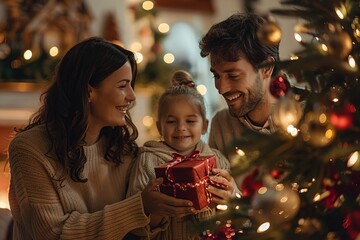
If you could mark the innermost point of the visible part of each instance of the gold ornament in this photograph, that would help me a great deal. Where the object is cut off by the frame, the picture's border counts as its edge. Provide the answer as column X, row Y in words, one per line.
column 317, row 129
column 269, row 33
column 356, row 27
column 287, row 112
column 339, row 43
column 275, row 205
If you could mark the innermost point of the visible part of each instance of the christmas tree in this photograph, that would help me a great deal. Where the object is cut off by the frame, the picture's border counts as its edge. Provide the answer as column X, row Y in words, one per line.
column 304, row 181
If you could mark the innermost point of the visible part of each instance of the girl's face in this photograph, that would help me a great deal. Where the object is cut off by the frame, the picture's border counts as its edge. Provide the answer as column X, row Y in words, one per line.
column 181, row 124
column 110, row 101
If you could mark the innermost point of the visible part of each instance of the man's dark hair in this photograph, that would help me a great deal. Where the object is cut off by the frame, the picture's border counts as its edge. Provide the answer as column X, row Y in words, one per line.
column 236, row 37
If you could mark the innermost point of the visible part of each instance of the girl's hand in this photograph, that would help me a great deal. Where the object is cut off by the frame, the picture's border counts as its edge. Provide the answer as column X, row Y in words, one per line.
column 161, row 204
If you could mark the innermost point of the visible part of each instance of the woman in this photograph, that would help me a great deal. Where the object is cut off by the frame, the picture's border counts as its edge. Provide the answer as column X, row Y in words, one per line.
column 70, row 165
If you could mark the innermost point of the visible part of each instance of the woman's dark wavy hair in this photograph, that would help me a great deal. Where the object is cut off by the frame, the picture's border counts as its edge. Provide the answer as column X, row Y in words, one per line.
column 64, row 109
column 236, row 37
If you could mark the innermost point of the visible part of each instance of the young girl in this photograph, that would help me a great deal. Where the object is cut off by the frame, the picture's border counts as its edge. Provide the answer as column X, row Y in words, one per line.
column 181, row 122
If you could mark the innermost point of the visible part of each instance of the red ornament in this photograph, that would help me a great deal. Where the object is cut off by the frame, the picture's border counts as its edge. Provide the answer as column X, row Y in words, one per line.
column 250, row 184
column 343, row 119
column 279, row 85
column 276, row 173
column 352, row 224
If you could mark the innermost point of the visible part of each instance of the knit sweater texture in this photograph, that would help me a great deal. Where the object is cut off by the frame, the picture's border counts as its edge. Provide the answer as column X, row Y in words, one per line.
column 155, row 153
column 226, row 129
column 46, row 208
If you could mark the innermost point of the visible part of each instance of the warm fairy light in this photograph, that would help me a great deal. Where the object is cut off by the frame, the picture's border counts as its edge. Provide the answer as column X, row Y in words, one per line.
column 201, row 89
column 148, row 5
column 240, row 152
column 329, row 134
column 27, row 55
column 294, row 57
column 279, row 187
column 139, row 57
column 322, row 118
column 324, row 47
column 222, row 207
column 148, row 121
column 163, row 27
column 262, row 190
column 335, row 99
column 54, row 51
column 136, row 46
column 238, row 195
column 237, row 207
column 298, row 37
column 353, row 159
column 292, row 130
column 316, row 197
column 351, row 61
column 263, row 227
column 284, row 199
column 319, row 197
column 304, row 190
column 169, row 58
column 341, row 11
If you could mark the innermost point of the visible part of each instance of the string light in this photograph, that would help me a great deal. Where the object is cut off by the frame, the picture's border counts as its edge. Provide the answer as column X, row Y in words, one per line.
column 148, row 121
column 298, row 37
column 263, row 227
column 164, row 27
column 353, row 159
column 27, row 55
column 169, row 58
column 148, row 5
column 351, row 61
column 201, row 89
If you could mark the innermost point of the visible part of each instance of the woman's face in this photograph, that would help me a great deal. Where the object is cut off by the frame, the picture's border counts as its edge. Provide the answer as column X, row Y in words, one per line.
column 110, row 101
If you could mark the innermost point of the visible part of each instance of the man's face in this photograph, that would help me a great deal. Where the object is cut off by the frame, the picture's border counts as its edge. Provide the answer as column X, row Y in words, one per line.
column 239, row 83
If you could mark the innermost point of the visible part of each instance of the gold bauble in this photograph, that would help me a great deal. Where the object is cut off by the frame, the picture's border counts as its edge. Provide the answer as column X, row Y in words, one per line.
column 287, row 112
column 317, row 129
column 275, row 205
column 339, row 43
column 269, row 33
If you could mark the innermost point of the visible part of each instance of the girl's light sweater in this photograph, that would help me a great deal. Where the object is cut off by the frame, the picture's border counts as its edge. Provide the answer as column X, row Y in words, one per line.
column 45, row 208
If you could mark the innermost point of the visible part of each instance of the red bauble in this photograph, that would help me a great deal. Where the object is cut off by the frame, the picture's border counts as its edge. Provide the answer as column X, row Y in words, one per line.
column 277, row 174
column 279, row 86
column 343, row 119
column 352, row 224
column 250, row 184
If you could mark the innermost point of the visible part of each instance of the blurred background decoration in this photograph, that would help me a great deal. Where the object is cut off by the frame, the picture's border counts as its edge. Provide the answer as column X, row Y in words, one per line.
column 35, row 34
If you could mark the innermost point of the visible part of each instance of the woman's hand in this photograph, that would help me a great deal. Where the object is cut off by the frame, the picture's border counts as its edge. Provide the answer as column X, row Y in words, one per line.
column 224, row 187
column 161, row 204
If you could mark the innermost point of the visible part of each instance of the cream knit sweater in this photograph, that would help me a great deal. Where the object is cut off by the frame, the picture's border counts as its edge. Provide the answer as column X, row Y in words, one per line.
column 154, row 153
column 226, row 129
column 44, row 208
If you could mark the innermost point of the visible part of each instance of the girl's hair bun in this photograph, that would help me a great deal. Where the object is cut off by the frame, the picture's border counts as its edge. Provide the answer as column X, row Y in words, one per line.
column 182, row 78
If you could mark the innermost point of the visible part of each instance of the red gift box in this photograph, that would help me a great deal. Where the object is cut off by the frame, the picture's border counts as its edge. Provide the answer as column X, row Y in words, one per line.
column 187, row 177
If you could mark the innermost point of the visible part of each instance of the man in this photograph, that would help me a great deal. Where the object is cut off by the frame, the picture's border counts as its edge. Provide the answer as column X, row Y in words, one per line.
column 235, row 55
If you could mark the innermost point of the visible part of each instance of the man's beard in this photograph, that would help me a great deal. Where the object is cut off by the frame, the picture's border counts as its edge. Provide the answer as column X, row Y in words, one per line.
column 251, row 100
